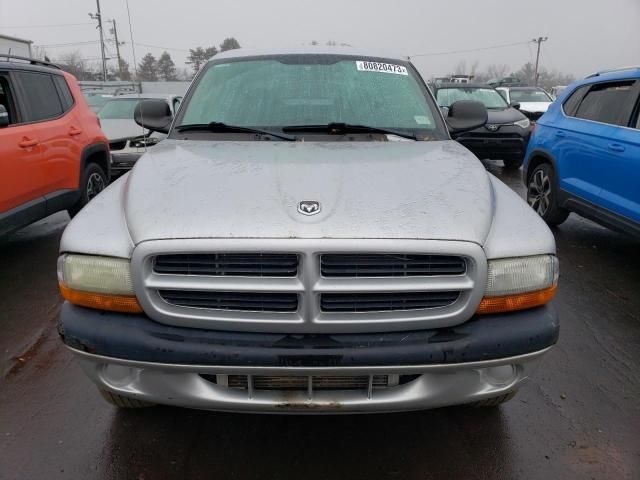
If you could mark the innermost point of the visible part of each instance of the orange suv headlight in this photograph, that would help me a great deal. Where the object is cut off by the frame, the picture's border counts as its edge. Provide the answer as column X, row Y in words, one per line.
column 103, row 283
column 519, row 283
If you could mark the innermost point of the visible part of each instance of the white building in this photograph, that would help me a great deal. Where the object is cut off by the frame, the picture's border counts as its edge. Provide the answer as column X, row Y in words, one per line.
column 15, row 46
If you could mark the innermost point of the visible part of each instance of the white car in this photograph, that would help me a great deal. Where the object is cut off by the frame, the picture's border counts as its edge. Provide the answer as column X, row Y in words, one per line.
column 127, row 140
column 533, row 101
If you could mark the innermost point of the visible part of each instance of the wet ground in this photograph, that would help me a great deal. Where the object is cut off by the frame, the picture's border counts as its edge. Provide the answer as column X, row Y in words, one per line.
column 578, row 418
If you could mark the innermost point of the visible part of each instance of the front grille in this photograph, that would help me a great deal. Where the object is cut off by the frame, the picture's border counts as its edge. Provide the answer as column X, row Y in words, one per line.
column 318, row 382
column 390, row 265
column 309, row 286
column 499, row 135
column 385, row 302
column 119, row 145
column 228, row 264
column 232, row 301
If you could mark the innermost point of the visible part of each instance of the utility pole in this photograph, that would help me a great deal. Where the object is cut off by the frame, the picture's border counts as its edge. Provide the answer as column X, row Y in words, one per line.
column 98, row 17
column 114, row 31
column 539, row 41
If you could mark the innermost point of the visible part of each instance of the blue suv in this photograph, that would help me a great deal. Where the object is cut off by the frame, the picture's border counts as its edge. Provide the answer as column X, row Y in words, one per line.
column 584, row 155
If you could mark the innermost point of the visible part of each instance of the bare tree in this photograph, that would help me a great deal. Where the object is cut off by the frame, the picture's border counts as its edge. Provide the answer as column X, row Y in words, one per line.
column 497, row 70
column 39, row 53
column 73, row 63
column 460, row 68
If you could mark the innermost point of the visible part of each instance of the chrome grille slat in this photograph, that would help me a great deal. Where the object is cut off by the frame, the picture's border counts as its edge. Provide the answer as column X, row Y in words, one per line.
column 390, row 265
column 378, row 302
column 228, row 264
column 235, row 301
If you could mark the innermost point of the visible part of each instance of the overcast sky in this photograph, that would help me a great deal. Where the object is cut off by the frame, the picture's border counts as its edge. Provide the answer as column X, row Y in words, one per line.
column 584, row 35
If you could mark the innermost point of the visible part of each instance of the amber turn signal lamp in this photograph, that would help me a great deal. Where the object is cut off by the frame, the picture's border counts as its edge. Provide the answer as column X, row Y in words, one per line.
column 101, row 301
column 520, row 301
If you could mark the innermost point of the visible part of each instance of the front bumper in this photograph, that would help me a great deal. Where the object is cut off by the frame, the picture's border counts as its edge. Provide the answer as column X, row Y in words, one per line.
column 122, row 161
column 507, row 143
column 133, row 356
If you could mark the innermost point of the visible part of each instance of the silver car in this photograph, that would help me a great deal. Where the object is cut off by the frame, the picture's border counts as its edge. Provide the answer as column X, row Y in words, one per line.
column 308, row 239
column 127, row 140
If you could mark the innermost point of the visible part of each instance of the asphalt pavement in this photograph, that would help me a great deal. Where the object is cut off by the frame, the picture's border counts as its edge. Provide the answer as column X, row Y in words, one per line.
column 579, row 417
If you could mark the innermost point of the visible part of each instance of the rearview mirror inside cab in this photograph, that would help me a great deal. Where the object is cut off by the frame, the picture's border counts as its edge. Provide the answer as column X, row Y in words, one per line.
column 154, row 115
column 466, row 115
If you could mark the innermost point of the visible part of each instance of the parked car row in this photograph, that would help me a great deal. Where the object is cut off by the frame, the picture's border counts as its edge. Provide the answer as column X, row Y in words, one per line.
column 589, row 140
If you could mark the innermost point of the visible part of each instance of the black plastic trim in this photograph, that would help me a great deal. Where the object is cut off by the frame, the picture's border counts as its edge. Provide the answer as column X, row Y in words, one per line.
column 138, row 338
column 23, row 215
column 598, row 214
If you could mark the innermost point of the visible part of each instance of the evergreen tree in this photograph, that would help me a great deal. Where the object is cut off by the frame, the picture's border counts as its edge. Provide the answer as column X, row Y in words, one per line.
column 166, row 68
column 198, row 56
column 229, row 44
column 148, row 69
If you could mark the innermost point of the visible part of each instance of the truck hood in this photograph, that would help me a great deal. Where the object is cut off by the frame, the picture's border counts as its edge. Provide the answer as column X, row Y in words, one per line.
column 396, row 189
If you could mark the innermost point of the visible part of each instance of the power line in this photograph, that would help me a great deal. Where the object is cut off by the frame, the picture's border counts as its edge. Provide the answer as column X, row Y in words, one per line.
column 47, row 26
column 451, row 52
column 70, row 44
column 163, row 48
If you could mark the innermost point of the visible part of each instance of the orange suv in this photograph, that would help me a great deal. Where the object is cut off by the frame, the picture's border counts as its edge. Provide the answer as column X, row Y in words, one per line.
column 53, row 154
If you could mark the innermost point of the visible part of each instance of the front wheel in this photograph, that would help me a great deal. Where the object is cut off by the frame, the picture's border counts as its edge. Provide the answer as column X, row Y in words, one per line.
column 93, row 181
column 542, row 195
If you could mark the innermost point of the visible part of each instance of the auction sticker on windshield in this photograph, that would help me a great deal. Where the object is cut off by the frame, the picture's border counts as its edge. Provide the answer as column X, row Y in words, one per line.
column 381, row 67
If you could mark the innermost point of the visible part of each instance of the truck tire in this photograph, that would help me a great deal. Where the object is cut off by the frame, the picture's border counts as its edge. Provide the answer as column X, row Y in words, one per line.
column 93, row 181
column 123, row 402
column 494, row 401
column 542, row 195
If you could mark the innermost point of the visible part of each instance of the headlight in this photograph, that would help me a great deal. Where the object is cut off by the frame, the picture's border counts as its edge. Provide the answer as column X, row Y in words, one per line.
column 103, row 283
column 519, row 283
column 524, row 123
column 143, row 142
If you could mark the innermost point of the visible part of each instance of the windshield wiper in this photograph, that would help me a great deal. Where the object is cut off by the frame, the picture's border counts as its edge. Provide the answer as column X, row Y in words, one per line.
column 336, row 128
column 220, row 127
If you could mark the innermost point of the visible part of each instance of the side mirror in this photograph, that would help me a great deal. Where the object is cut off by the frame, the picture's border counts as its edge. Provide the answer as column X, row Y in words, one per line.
column 515, row 105
column 154, row 115
column 4, row 117
column 466, row 115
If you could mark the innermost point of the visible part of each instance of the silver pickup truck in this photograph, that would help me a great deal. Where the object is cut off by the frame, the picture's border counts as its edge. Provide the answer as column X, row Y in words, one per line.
column 308, row 238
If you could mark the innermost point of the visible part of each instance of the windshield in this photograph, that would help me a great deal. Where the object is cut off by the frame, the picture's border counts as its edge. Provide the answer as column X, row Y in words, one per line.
column 119, row 109
column 488, row 96
column 97, row 100
column 529, row 96
column 278, row 91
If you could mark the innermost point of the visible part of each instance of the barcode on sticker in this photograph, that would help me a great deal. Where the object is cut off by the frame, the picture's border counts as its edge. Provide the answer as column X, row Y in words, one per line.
column 381, row 67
